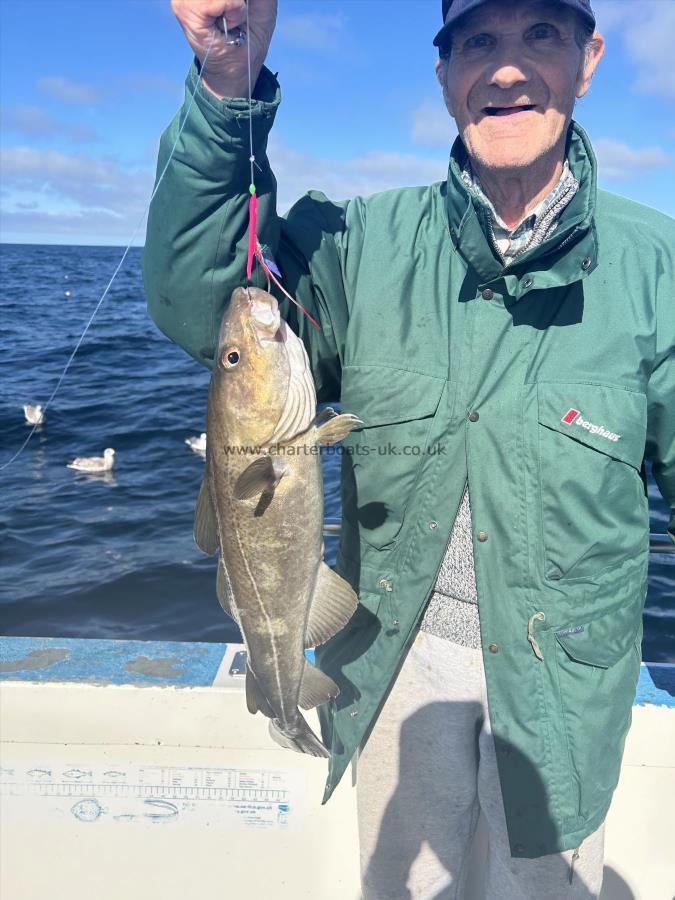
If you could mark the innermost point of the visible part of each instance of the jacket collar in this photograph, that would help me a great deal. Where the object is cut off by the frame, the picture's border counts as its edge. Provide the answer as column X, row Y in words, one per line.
column 568, row 255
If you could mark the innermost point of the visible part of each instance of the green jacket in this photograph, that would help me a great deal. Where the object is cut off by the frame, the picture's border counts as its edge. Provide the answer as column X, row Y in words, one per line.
column 567, row 358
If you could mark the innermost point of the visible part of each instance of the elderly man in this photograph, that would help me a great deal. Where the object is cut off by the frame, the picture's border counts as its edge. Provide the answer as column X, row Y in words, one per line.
column 506, row 337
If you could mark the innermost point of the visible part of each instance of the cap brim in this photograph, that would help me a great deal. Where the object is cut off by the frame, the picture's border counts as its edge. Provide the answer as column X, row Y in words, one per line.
column 443, row 36
column 442, row 39
column 451, row 19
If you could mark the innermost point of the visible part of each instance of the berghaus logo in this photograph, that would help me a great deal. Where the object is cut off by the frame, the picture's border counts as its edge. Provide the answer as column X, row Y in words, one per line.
column 570, row 416
column 573, row 417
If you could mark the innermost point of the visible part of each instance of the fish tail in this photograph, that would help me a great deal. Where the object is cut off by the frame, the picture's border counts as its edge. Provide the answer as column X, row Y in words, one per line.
column 297, row 736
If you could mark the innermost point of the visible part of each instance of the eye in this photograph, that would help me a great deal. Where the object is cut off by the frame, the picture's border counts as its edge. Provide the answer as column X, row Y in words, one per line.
column 542, row 31
column 230, row 358
column 478, row 42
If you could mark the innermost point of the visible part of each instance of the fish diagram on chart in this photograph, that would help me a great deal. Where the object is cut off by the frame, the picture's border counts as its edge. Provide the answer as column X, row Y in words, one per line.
column 155, row 795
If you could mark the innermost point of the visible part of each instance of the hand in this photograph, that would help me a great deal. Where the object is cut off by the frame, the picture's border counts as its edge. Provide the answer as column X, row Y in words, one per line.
column 226, row 70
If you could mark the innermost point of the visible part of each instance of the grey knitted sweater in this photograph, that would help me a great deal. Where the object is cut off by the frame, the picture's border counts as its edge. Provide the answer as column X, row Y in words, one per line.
column 452, row 610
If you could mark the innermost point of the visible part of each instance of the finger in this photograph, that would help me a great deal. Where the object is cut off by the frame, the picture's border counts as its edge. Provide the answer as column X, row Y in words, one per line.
column 234, row 14
column 203, row 14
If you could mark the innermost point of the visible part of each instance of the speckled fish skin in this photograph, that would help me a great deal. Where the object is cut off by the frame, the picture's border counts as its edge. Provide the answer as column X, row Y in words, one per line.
column 261, row 407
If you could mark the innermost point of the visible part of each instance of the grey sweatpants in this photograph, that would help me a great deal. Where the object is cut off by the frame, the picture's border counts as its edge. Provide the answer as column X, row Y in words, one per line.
column 427, row 770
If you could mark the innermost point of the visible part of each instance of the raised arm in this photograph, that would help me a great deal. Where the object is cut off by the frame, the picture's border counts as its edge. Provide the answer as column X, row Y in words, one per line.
column 196, row 242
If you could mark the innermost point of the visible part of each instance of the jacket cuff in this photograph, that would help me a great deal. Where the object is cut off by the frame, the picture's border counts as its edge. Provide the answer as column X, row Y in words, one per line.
column 229, row 116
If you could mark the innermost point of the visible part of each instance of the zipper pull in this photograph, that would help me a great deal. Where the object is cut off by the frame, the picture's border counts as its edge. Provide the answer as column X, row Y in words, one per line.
column 537, row 617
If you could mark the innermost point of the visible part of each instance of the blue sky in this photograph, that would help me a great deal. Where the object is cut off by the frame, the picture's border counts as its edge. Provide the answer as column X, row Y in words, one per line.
column 86, row 88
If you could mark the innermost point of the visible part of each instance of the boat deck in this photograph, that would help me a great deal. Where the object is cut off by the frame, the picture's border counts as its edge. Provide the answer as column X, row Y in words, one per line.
column 132, row 769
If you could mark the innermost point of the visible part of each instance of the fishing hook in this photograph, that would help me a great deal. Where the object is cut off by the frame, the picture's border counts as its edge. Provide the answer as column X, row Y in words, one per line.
column 239, row 35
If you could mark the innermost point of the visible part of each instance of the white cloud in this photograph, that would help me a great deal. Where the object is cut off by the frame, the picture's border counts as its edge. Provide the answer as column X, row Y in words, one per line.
column 619, row 162
column 298, row 172
column 318, row 31
column 46, row 191
column 40, row 226
column 432, row 125
column 34, row 121
column 69, row 91
column 648, row 32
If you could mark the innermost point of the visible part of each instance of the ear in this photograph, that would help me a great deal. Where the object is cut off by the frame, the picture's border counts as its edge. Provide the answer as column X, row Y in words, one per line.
column 592, row 55
column 441, row 67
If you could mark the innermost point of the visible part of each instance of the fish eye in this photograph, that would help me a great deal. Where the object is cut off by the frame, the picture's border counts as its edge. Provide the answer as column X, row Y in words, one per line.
column 230, row 358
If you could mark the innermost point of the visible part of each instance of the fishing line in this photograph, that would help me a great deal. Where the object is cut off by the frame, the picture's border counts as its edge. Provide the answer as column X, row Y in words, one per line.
column 119, row 265
column 255, row 251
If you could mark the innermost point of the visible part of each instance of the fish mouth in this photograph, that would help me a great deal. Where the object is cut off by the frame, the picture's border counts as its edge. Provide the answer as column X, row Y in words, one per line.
column 266, row 315
column 264, row 312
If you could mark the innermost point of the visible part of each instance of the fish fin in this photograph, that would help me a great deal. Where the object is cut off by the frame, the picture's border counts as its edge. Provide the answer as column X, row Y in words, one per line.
column 255, row 699
column 333, row 605
column 206, row 525
column 264, row 474
column 224, row 591
column 300, row 738
column 326, row 414
column 316, row 687
column 336, row 428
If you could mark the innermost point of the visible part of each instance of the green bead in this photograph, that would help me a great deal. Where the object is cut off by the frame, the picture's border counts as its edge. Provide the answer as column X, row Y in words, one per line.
column 251, row 189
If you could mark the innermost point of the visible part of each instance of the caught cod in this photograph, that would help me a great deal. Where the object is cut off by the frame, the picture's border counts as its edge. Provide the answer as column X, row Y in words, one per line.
column 261, row 508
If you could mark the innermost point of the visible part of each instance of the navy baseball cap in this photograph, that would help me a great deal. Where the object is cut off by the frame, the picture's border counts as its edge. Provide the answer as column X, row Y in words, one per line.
column 454, row 9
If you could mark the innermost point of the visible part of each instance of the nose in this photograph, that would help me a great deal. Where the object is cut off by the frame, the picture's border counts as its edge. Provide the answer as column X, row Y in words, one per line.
column 508, row 76
column 509, row 69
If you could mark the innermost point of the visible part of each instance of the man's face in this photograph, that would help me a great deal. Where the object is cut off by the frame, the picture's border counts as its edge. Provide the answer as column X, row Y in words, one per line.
column 514, row 72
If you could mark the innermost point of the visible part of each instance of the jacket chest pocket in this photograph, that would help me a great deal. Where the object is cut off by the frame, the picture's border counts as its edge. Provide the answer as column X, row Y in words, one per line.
column 382, row 461
column 593, row 505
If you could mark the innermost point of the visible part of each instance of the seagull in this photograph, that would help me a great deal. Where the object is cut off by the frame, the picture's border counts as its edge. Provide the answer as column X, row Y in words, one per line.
column 33, row 414
column 94, row 463
column 198, row 444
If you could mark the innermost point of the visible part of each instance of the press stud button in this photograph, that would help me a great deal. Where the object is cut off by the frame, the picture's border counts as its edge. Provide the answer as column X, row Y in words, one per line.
column 473, row 416
column 493, row 648
column 487, row 294
column 527, row 283
column 433, row 525
column 586, row 263
column 482, row 536
column 385, row 584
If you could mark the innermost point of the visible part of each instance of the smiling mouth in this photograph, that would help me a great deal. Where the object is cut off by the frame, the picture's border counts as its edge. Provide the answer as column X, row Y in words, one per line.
column 507, row 110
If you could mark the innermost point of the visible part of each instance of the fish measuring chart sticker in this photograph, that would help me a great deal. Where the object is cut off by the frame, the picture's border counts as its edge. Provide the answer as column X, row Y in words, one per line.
column 151, row 795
